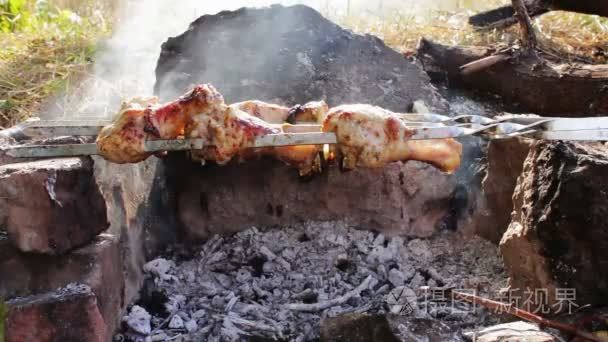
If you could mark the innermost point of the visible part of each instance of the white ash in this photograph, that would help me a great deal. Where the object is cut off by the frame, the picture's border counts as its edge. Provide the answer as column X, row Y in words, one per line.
column 280, row 283
column 138, row 320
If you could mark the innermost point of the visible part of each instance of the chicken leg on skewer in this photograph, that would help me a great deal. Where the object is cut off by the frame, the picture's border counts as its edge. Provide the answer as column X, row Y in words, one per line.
column 372, row 137
column 141, row 119
column 367, row 136
column 201, row 113
column 272, row 113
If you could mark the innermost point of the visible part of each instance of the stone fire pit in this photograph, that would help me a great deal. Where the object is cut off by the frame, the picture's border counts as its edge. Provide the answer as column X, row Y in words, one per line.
column 169, row 249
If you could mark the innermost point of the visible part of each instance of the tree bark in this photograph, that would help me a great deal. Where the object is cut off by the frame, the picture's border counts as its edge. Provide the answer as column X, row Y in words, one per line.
column 504, row 16
column 547, row 87
column 528, row 37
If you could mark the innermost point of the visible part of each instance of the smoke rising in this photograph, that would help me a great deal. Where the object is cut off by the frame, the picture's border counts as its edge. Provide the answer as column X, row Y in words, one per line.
column 125, row 64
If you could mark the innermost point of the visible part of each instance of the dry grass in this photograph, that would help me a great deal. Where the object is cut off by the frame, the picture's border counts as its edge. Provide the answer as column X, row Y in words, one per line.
column 569, row 33
column 43, row 61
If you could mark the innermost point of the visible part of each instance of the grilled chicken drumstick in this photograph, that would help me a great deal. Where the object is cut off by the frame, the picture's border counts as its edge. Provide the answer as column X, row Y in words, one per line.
column 372, row 137
column 201, row 113
column 367, row 136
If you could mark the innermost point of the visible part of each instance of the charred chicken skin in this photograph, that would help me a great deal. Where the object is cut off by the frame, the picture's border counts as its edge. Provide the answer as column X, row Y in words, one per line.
column 272, row 113
column 367, row 136
column 372, row 137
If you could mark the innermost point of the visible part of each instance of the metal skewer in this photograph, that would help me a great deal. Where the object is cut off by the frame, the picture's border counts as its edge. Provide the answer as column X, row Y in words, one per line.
column 424, row 126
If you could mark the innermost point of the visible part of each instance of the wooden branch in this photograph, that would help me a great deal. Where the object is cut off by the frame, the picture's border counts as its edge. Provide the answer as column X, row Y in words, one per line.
column 320, row 306
column 526, row 315
column 528, row 37
column 483, row 63
column 548, row 88
column 504, row 16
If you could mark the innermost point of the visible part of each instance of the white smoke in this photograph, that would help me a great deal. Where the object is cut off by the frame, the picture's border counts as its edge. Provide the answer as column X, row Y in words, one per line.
column 125, row 65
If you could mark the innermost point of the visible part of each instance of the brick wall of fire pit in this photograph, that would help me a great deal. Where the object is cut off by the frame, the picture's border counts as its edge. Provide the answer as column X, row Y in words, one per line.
column 78, row 232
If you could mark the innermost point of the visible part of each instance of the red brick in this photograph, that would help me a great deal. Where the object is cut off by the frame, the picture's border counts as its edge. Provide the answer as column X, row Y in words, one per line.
column 67, row 314
column 51, row 206
column 97, row 265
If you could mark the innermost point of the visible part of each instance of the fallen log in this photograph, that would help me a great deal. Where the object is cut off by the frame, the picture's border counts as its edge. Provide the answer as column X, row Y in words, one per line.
column 504, row 16
column 543, row 86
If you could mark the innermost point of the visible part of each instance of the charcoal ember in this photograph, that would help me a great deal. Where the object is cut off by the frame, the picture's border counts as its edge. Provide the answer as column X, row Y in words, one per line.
column 67, row 314
column 94, row 265
column 396, row 277
column 558, row 236
column 259, row 304
column 138, row 320
column 160, row 267
column 176, row 322
column 357, row 328
column 53, row 205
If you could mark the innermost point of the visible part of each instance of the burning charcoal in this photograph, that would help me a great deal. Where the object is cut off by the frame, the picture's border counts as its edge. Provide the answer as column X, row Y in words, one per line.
column 259, row 303
column 267, row 253
column 191, row 325
column 175, row 302
column 208, row 288
column 176, row 322
column 199, row 314
column 379, row 240
column 190, row 277
column 218, row 302
column 382, row 290
column 159, row 267
column 159, row 337
column 138, row 320
column 396, row 277
column 420, row 249
column 223, row 279
column 269, row 267
column 417, row 281
column 288, row 254
column 232, row 300
column 243, row 275
column 284, row 264
column 408, row 270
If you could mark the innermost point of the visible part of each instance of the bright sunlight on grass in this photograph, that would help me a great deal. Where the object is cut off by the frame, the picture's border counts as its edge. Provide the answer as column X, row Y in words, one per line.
column 45, row 47
column 48, row 46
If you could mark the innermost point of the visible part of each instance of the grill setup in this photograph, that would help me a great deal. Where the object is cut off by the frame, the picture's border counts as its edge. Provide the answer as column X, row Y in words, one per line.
column 427, row 126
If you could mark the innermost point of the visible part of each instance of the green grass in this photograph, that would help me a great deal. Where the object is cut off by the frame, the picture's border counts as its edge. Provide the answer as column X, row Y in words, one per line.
column 46, row 47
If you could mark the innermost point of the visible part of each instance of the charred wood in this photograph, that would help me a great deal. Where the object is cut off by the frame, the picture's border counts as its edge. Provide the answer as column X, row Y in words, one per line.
column 505, row 16
column 547, row 86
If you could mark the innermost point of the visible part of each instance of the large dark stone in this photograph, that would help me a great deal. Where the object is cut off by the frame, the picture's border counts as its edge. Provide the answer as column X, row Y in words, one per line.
column 289, row 55
column 492, row 214
column 558, row 236
column 412, row 199
column 293, row 55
